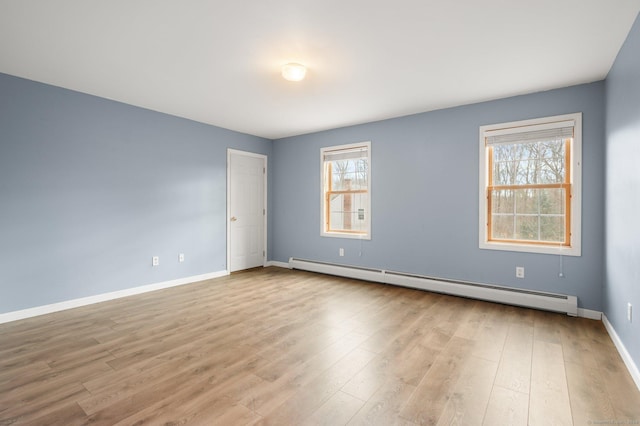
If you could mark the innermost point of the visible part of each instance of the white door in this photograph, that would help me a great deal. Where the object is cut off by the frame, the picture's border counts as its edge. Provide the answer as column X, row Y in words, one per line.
column 246, row 210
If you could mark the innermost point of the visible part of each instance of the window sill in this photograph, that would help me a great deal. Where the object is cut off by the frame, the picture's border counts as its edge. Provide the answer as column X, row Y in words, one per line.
column 526, row 248
column 346, row 235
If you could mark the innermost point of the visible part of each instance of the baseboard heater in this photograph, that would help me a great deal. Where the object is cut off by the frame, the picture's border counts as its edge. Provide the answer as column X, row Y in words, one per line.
column 492, row 293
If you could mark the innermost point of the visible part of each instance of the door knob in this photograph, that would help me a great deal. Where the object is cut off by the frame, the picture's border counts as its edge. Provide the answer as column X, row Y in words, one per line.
column 233, row 219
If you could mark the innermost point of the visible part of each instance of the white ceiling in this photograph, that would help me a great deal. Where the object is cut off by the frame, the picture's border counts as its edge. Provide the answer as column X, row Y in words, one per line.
column 218, row 62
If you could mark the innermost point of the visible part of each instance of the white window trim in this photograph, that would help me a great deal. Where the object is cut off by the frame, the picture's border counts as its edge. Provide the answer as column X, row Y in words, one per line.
column 576, row 184
column 323, row 217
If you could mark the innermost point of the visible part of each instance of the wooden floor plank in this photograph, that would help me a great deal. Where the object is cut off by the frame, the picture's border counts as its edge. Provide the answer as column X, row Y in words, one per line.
column 549, row 394
column 32, row 403
column 323, row 387
column 514, row 371
column 66, row 415
column 383, row 407
column 468, row 403
column 507, row 407
column 587, row 391
column 338, row 410
column 427, row 403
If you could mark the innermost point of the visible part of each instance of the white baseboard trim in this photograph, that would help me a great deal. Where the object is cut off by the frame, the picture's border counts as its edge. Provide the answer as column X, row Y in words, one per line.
column 622, row 350
column 589, row 314
column 84, row 301
column 278, row 264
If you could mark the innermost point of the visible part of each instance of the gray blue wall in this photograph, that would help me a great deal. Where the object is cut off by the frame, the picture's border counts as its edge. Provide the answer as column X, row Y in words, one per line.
column 425, row 196
column 622, row 280
column 91, row 189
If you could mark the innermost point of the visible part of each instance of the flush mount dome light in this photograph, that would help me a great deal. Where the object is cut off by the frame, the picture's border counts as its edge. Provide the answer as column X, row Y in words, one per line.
column 293, row 71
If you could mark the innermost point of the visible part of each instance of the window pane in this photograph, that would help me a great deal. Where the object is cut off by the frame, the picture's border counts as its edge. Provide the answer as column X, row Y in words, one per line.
column 502, row 201
column 539, row 201
column 502, row 227
column 552, row 228
column 527, row 228
column 347, row 212
column 527, row 201
column 529, row 163
column 552, row 201
column 349, row 175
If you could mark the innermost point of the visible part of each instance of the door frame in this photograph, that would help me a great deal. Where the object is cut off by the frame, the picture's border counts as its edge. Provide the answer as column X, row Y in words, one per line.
column 264, row 158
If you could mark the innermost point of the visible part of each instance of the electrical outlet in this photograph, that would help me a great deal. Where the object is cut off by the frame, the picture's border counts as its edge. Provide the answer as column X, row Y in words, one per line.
column 519, row 271
column 629, row 312
column 181, row 257
column 155, row 261
column 341, row 252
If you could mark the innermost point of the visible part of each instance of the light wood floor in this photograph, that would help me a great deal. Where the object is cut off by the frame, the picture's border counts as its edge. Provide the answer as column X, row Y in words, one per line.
column 273, row 346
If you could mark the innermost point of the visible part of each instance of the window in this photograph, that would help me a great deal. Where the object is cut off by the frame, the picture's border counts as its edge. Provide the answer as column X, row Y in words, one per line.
column 346, row 186
column 530, row 185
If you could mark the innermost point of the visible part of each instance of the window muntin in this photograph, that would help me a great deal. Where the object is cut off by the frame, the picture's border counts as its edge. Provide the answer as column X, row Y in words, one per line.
column 345, row 188
column 530, row 185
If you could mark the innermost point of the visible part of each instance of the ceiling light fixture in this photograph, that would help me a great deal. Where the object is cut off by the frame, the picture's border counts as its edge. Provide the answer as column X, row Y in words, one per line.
column 293, row 71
